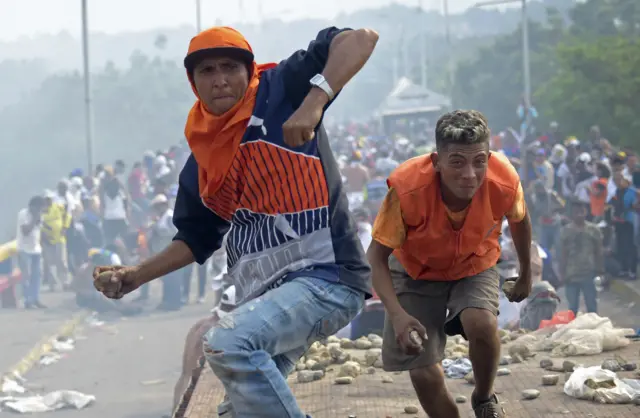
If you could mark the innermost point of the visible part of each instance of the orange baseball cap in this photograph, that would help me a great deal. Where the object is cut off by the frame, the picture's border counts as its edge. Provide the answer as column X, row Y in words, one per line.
column 215, row 42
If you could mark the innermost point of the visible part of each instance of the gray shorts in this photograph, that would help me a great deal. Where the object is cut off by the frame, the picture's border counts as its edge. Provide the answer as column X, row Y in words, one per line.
column 437, row 305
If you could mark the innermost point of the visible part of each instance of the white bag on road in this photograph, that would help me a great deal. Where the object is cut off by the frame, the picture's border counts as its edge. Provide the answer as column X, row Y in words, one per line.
column 601, row 386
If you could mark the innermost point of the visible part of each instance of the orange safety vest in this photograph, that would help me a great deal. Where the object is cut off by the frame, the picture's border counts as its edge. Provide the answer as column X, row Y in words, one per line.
column 433, row 250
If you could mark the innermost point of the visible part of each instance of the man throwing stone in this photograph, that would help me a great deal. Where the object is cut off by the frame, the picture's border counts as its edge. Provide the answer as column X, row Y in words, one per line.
column 261, row 169
column 440, row 223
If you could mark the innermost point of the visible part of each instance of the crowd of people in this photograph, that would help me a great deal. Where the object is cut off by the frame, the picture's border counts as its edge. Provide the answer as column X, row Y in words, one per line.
column 582, row 196
column 260, row 174
column 581, row 193
column 115, row 215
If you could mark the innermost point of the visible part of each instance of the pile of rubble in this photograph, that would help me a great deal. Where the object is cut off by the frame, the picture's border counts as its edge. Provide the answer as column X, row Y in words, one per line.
column 352, row 357
column 343, row 360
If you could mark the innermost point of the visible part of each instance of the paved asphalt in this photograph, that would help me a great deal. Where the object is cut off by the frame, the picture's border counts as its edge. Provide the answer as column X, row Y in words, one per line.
column 131, row 364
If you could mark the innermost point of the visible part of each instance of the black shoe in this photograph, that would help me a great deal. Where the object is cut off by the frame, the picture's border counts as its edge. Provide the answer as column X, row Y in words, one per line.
column 490, row 408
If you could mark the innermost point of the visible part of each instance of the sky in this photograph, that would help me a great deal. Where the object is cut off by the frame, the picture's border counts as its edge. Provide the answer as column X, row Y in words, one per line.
column 31, row 17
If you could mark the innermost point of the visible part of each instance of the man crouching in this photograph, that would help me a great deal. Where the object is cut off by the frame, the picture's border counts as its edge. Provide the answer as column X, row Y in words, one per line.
column 441, row 220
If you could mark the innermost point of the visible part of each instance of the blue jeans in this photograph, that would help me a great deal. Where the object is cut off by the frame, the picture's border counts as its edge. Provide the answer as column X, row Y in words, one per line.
column 547, row 236
column 253, row 349
column 172, row 290
column 30, row 266
column 589, row 292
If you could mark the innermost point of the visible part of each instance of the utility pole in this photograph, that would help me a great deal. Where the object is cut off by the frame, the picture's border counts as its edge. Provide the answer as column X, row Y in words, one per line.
column 447, row 39
column 198, row 16
column 88, row 111
column 526, row 76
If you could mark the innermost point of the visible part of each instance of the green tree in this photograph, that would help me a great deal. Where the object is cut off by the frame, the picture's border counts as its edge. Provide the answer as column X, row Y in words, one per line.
column 135, row 109
column 597, row 83
column 492, row 79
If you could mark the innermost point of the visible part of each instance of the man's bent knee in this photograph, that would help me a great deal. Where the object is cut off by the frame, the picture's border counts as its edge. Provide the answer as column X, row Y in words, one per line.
column 429, row 378
column 479, row 324
column 221, row 338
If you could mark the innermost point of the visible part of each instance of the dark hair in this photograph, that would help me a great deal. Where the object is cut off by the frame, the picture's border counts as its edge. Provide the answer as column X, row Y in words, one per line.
column 462, row 127
column 602, row 170
column 575, row 204
column 36, row 202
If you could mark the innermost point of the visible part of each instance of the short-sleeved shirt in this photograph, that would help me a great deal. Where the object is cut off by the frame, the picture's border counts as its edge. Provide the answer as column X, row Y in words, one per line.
column 579, row 246
column 390, row 230
column 28, row 243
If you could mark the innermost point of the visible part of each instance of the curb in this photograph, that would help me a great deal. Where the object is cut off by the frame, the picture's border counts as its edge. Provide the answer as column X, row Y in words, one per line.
column 45, row 346
column 625, row 290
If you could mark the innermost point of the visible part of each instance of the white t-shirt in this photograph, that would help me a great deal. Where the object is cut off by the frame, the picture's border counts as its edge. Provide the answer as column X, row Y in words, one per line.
column 114, row 208
column 29, row 243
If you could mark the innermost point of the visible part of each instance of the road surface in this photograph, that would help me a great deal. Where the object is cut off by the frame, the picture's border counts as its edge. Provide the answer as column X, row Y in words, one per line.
column 131, row 364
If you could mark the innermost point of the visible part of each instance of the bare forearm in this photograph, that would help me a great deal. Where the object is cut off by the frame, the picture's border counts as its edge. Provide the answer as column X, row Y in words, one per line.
column 378, row 256
column 348, row 53
column 521, row 235
column 176, row 256
column 383, row 285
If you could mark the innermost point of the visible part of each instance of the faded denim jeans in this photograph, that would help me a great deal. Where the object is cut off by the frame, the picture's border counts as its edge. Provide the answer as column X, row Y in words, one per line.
column 588, row 289
column 253, row 349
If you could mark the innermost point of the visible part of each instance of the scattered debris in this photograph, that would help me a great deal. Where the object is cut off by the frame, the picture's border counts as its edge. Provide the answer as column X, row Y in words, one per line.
column 411, row 409
column 503, row 372
column 550, row 379
column 530, row 394
column 386, row 379
column 52, row 401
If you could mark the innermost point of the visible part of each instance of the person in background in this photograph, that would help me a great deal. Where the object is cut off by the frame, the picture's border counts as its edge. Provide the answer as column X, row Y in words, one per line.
column 363, row 222
column 599, row 193
column 148, row 159
column 30, row 251
column 99, row 172
column 357, row 174
column 567, row 169
column 374, row 192
column 55, row 223
column 119, row 168
column 581, row 258
column 64, row 198
column 137, row 184
column 137, row 190
column 90, row 186
column 114, row 207
column 544, row 169
column 625, row 203
column 385, row 164
column 201, row 274
column 161, row 234
column 91, row 221
column 557, row 157
column 634, row 169
column 546, row 207
column 584, row 178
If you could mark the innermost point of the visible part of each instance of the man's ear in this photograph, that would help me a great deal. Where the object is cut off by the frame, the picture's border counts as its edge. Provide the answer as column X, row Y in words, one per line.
column 435, row 160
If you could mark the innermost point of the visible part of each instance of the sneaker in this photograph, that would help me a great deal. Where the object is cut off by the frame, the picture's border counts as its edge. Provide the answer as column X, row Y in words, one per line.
column 490, row 408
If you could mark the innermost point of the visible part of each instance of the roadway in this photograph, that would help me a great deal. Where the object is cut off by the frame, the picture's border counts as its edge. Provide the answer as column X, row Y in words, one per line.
column 131, row 364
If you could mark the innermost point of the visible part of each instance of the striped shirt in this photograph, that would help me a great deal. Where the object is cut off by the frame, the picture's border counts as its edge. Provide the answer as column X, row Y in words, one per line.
column 284, row 209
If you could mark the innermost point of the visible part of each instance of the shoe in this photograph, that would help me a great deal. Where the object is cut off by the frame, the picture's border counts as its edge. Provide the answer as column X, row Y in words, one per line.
column 490, row 408
column 40, row 305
